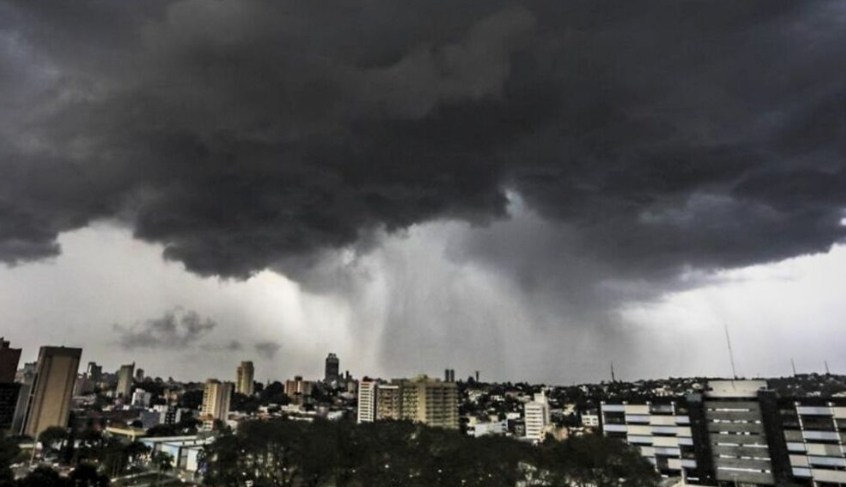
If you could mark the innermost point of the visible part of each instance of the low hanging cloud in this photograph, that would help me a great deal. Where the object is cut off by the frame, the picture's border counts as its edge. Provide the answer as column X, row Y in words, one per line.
column 646, row 140
column 268, row 349
column 230, row 346
column 176, row 329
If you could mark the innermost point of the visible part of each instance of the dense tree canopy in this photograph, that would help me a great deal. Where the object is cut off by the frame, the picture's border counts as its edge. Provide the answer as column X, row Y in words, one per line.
column 285, row 453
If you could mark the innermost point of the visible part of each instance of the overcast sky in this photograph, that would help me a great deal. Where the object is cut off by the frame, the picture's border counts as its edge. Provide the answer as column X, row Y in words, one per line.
column 527, row 188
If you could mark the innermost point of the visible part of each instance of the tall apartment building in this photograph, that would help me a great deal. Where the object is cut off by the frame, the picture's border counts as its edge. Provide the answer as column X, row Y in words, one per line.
column 124, row 385
column 298, row 389
column 245, row 380
column 420, row 400
column 388, row 402
column 738, row 433
column 537, row 417
column 94, row 372
column 367, row 400
column 332, row 369
column 9, row 358
column 9, row 389
column 216, row 398
column 52, row 391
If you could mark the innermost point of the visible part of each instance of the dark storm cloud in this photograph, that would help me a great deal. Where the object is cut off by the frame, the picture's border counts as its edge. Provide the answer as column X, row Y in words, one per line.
column 659, row 135
column 230, row 346
column 177, row 329
column 267, row 349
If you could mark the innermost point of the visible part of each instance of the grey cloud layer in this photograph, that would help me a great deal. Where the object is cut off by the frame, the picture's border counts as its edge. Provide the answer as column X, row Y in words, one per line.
column 241, row 135
column 176, row 329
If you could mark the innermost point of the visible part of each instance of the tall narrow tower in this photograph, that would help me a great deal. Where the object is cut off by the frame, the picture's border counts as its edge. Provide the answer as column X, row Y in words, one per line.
column 245, row 379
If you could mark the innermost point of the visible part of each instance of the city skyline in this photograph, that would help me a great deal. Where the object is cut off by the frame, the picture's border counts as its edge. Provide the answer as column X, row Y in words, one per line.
column 527, row 188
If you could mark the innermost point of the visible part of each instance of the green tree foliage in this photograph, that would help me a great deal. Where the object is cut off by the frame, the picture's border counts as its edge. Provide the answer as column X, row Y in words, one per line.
column 9, row 451
column 86, row 475
column 274, row 393
column 191, row 399
column 42, row 477
column 285, row 453
column 595, row 461
column 53, row 438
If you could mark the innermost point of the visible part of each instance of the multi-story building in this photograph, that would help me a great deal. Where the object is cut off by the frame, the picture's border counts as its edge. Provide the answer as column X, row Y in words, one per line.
column 9, row 358
column 94, row 372
column 537, row 417
column 9, row 389
column 367, row 400
column 139, row 375
column 245, row 379
column 298, row 389
column 52, row 391
column 430, row 401
column 333, row 369
column 388, row 402
column 216, row 399
column 141, row 398
column 815, row 439
column 124, row 385
column 737, row 433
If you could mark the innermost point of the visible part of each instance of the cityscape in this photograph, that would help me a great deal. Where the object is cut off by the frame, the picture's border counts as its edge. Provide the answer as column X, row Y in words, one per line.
column 696, row 431
column 422, row 243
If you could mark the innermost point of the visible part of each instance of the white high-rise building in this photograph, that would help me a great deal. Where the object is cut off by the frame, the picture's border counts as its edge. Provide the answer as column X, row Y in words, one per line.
column 216, row 397
column 367, row 401
column 537, row 417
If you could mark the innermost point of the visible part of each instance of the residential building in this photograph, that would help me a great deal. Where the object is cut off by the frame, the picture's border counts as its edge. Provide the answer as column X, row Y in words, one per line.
column 9, row 394
column 367, row 400
column 52, row 391
column 94, row 372
column 124, row 385
column 388, row 402
column 216, row 398
column 245, row 379
column 590, row 419
column 332, row 369
column 141, row 398
column 9, row 358
column 430, row 401
column 537, row 417
column 139, row 375
column 9, row 389
column 298, row 389
column 737, row 433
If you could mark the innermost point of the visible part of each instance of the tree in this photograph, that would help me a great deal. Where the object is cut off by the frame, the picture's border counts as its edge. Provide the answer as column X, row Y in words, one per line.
column 596, row 461
column 9, row 451
column 163, row 462
column 53, row 437
column 42, row 477
column 191, row 399
column 86, row 475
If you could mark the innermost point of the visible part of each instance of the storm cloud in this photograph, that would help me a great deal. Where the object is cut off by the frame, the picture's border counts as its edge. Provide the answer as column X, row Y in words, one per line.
column 646, row 140
column 176, row 329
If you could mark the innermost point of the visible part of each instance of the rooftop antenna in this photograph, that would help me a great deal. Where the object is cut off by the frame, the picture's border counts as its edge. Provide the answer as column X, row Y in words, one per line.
column 793, row 365
column 827, row 372
column 731, row 352
column 613, row 377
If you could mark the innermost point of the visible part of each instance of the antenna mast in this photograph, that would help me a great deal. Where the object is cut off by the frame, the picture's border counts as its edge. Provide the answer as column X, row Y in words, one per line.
column 827, row 372
column 793, row 365
column 731, row 352
column 613, row 377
